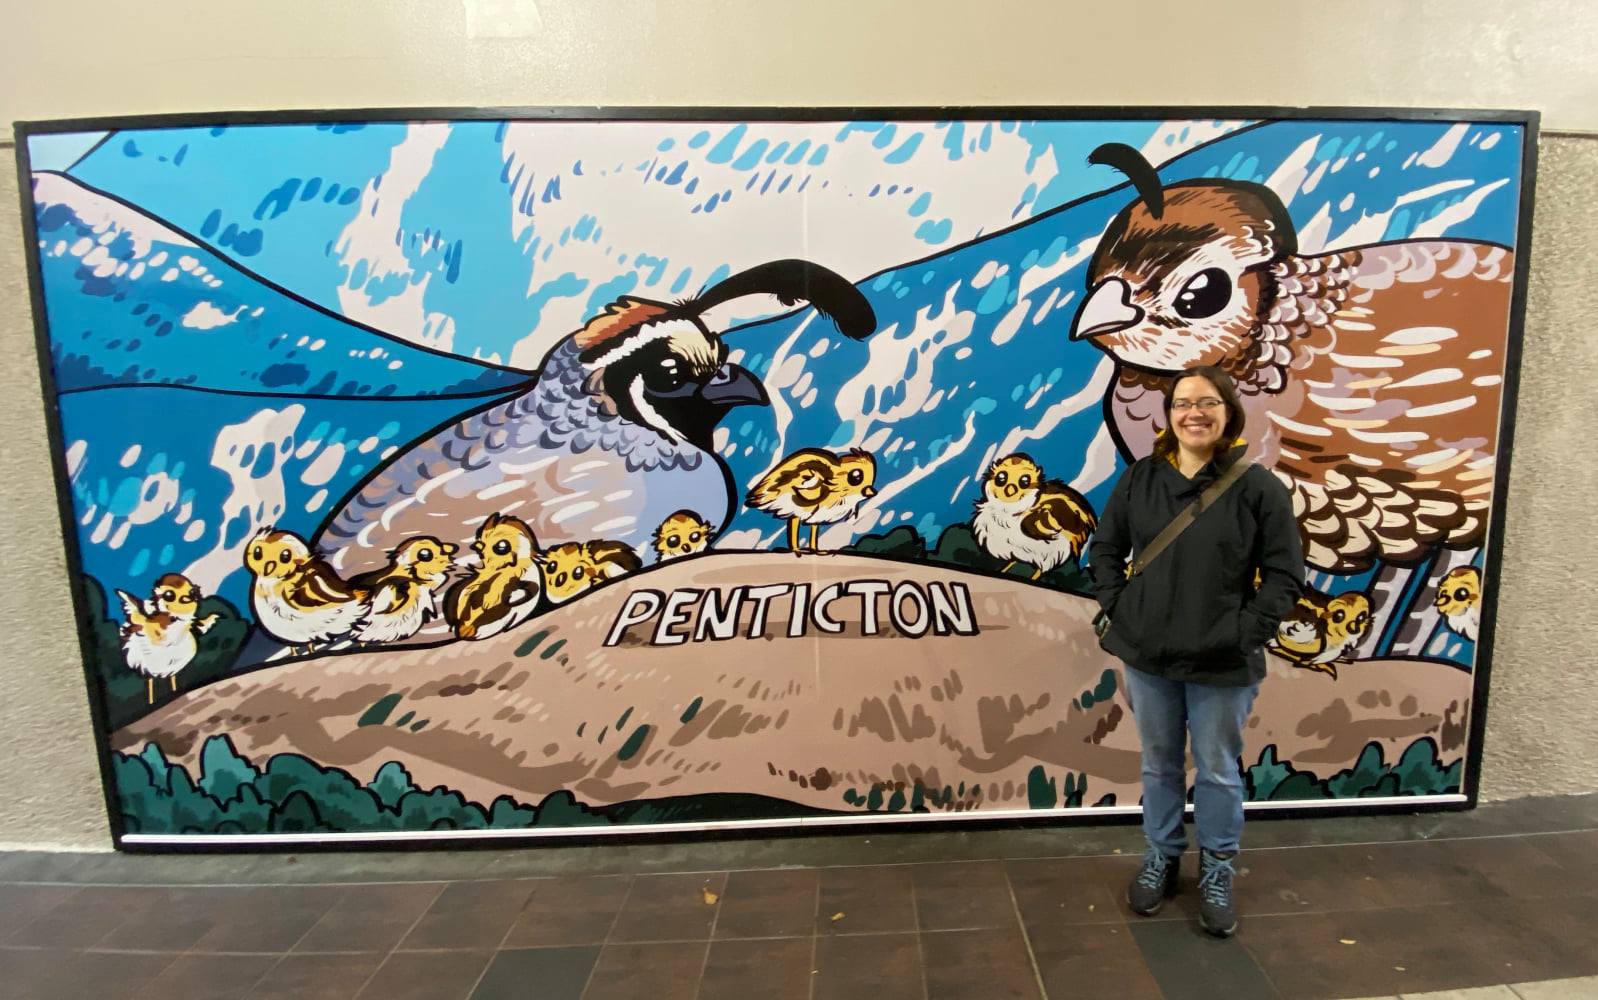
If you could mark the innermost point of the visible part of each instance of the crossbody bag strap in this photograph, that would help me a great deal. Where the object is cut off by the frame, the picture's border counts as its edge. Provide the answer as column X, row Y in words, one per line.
column 1188, row 515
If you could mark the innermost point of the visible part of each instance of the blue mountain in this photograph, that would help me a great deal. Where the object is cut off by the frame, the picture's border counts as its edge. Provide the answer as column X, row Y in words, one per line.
column 132, row 301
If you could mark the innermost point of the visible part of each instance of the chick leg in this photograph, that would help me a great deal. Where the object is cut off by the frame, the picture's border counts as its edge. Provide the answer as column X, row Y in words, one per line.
column 813, row 529
column 1008, row 566
column 149, row 690
column 793, row 535
column 174, row 680
column 1037, row 573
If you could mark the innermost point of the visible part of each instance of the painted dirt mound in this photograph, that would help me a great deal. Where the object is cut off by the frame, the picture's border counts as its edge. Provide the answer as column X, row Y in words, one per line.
column 967, row 720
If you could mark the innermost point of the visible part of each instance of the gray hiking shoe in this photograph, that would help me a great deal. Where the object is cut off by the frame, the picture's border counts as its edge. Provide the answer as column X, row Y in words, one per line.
column 1217, row 911
column 1154, row 883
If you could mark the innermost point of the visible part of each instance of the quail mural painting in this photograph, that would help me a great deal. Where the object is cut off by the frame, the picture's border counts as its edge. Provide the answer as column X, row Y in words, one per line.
column 515, row 478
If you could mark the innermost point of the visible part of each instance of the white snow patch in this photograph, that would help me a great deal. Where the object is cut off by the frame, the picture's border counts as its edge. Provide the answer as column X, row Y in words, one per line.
column 325, row 467
column 369, row 237
column 1440, row 152
column 206, row 316
column 258, row 500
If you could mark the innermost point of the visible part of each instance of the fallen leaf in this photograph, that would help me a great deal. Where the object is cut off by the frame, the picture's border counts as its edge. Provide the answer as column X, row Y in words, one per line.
column 1347, row 941
column 710, row 897
column 837, row 916
column 1118, row 850
column 1399, row 968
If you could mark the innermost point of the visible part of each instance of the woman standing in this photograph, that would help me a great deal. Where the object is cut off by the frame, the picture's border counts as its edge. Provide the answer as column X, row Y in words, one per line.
column 1191, row 627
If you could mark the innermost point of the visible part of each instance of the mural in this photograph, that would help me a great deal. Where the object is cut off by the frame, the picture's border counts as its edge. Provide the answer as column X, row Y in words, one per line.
column 518, row 478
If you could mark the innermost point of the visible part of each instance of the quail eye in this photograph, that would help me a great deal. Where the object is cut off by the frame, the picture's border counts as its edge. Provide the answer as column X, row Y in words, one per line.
column 283, row 556
column 425, row 555
column 673, row 542
column 1338, row 616
column 693, row 536
column 256, row 554
column 1461, row 594
column 1001, row 478
column 856, row 477
column 501, row 547
column 1025, row 482
column 167, row 595
column 577, row 574
column 1205, row 294
column 664, row 376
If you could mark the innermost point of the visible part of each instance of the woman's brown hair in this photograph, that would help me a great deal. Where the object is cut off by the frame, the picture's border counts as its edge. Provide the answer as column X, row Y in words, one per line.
column 1165, row 444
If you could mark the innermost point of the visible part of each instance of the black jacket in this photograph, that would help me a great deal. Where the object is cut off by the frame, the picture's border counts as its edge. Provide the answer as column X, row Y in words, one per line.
column 1194, row 613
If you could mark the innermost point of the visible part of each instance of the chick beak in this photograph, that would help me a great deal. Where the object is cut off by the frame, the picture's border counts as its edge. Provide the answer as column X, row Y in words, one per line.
column 1108, row 308
column 734, row 386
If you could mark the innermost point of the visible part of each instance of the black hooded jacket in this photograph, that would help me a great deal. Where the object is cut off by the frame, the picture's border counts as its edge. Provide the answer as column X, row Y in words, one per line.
column 1194, row 614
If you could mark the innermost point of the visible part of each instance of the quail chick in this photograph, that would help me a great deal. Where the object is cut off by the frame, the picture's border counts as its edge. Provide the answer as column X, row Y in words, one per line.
column 296, row 596
column 161, row 634
column 815, row 487
column 503, row 588
column 1025, row 518
column 684, row 533
column 1458, row 600
column 404, row 595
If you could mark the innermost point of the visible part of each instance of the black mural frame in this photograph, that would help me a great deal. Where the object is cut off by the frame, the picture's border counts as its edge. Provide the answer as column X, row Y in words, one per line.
column 1529, row 120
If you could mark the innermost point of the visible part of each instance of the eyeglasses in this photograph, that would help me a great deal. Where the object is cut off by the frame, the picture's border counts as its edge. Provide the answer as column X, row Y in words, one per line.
column 1183, row 405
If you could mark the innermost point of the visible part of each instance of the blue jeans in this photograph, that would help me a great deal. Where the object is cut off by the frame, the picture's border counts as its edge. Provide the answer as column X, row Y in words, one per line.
column 1167, row 713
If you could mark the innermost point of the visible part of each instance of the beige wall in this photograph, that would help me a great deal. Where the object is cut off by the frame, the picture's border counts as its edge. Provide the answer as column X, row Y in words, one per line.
column 76, row 59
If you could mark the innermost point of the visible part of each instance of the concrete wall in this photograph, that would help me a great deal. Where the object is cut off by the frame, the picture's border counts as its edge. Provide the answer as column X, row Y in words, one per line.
column 77, row 59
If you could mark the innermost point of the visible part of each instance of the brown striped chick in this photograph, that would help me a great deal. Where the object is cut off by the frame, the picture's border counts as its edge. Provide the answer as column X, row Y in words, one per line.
column 573, row 567
column 682, row 534
column 609, row 560
column 503, row 588
column 161, row 634
column 815, row 487
column 1027, row 519
column 1301, row 637
column 567, row 572
column 405, row 593
column 297, row 598
column 1459, row 601
column 1346, row 617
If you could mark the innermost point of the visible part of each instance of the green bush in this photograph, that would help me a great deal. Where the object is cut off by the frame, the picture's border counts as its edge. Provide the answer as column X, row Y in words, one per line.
column 293, row 794
column 1419, row 771
column 903, row 542
column 958, row 547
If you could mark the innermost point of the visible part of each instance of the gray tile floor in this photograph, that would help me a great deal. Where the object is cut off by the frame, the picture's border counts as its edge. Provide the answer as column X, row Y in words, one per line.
column 1499, row 902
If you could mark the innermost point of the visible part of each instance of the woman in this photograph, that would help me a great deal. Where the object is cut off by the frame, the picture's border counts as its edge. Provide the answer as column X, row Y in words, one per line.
column 1191, row 628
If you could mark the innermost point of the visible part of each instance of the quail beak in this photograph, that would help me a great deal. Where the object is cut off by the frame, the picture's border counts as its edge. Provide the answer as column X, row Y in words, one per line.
column 450, row 548
column 869, row 492
column 736, row 387
column 269, row 568
column 1108, row 308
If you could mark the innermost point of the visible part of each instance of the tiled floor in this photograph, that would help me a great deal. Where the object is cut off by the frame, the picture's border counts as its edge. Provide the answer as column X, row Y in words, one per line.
column 1500, row 903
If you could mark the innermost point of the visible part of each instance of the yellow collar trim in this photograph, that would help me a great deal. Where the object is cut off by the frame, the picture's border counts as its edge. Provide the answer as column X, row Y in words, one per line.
column 1172, row 456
